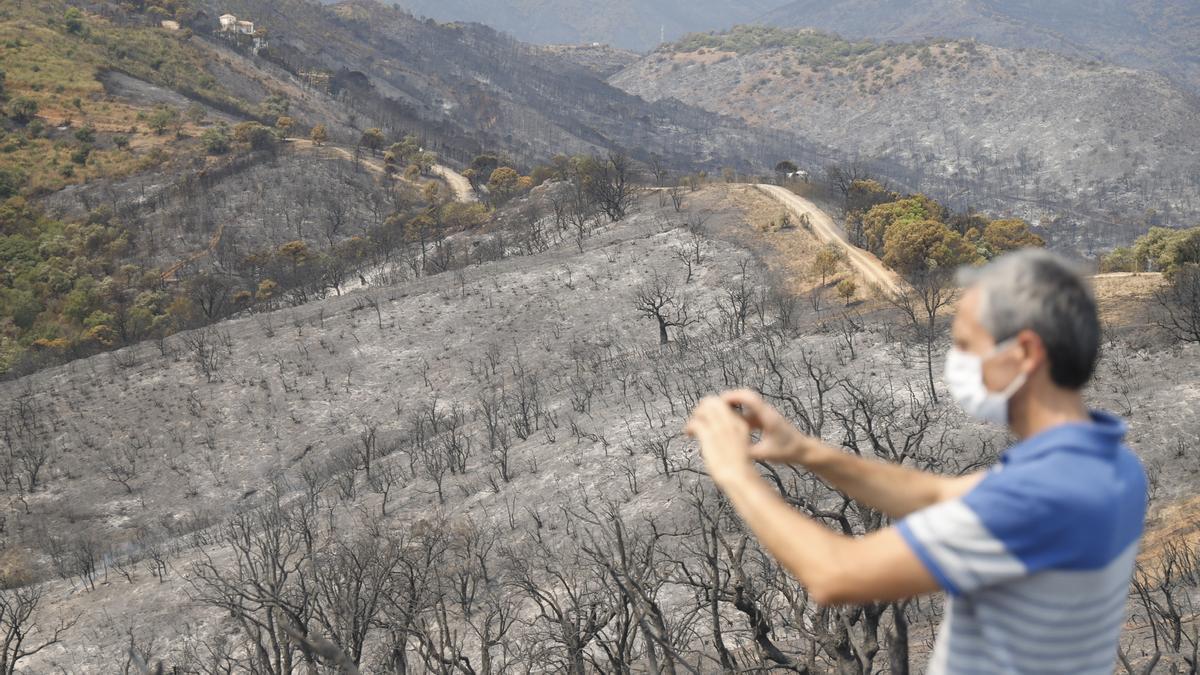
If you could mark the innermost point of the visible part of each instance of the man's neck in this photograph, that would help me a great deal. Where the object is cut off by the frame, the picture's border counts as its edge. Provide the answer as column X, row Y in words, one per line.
column 1045, row 408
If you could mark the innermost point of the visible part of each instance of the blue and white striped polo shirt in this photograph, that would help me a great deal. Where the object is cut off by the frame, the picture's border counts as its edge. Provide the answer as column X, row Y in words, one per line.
column 1037, row 559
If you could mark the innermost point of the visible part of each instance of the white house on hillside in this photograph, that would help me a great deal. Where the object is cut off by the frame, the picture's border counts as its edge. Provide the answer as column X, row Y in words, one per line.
column 230, row 25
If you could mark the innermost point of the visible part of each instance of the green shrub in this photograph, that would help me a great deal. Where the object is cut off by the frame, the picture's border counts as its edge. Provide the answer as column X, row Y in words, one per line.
column 22, row 110
column 80, row 155
column 215, row 140
column 73, row 20
column 12, row 179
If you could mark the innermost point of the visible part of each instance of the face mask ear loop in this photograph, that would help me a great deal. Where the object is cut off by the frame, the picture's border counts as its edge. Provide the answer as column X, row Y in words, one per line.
column 1018, row 382
column 1021, row 378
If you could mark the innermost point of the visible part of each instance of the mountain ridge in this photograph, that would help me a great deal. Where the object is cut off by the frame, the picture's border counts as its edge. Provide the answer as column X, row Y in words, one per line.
column 1158, row 35
column 1030, row 132
column 628, row 24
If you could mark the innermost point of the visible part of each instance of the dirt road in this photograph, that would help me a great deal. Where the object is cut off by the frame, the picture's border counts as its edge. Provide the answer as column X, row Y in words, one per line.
column 459, row 185
column 1123, row 275
column 867, row 265
column 457, row 182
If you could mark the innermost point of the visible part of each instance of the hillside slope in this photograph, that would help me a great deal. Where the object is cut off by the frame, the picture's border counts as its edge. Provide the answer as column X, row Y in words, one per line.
column 1023, row 132
column 630, row 24
column 1159, row 35
column 481, row 85
column 587, row 407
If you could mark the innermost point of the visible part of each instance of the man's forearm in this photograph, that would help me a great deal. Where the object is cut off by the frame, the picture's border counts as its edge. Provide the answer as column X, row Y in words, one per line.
column 779, row 527
column 833, row 568
column 893, row 489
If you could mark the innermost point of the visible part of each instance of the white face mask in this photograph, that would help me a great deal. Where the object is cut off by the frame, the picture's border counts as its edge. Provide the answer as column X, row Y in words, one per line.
column 964, row 378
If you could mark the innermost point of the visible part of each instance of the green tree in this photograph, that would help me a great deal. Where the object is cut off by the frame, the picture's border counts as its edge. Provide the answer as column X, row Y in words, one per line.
column 462, row 216
column 162, row 119
column 12, row 179
column 1150, row 249
column 22, row 110
column 1119, row 260
column 405, row 151
column 418, row 231
column 913, row 247
column 372, row 139
column 267, row 289
column 846, row 290
column 926, row 253
column 425, row 160
column 276, row 106
column 254, row 135
column 503, row 184
column 80, row 155
column 1179, row 303
column 860, row 197
column 319, row 135
column 1182, row 248
column 827, row 261
column 196, row 113
column 1000, row 236
column 963, row 223
column 485, row 164
column 882, row 217
column 73, row 20
column 863, row 193
column 215, row 140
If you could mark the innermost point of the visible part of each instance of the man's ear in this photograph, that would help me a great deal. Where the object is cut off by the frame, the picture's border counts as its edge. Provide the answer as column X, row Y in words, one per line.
column 1033, row 351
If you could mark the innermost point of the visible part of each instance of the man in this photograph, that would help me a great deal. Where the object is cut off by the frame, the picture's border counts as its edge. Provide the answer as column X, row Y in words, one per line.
column 1035, row 554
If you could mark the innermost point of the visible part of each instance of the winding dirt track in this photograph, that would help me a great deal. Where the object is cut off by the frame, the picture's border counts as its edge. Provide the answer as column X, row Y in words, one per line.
column 459, row 185
column 872, row 270
column 457, row 182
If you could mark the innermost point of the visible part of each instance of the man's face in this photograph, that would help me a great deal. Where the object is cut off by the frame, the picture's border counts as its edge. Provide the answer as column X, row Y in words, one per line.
column 999, row 368
column 967, row 332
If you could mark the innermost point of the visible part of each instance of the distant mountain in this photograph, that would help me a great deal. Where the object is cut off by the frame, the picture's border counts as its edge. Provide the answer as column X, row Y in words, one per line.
column 629, row 24
column 472, row 88
column 1160, row 35
column 1026, row 132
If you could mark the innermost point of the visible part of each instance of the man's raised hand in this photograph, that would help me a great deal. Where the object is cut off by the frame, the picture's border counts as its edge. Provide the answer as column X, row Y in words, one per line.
column 724, row 439
column 779, row 440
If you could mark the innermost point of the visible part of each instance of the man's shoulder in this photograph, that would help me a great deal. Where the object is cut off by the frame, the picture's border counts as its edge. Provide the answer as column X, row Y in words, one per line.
column 1075, row 509
column 1067, row 478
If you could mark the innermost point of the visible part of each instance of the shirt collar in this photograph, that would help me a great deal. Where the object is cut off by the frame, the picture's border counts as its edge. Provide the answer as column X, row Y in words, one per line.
column 1101, row 436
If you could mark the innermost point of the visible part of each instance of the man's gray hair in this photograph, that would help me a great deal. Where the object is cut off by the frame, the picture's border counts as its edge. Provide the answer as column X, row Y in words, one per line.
column 1037, row 290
